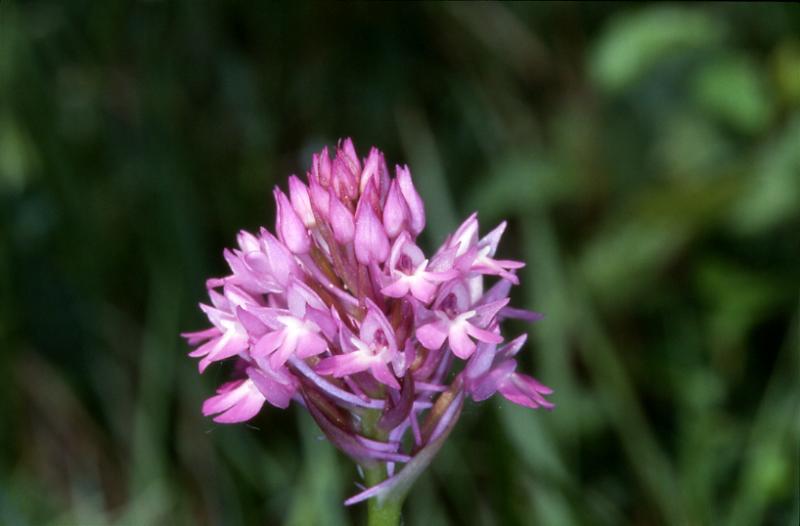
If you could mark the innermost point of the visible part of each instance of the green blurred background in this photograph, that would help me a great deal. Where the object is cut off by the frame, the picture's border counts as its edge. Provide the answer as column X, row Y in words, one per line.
column 647, row 157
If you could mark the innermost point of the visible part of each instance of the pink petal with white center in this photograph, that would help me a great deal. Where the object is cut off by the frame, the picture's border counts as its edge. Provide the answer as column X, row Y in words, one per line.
column 432, row 335
column 460, row 343
column 235, row 402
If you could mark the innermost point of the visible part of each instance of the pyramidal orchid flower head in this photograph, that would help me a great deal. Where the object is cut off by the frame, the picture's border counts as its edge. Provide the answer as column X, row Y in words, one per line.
column 343, row 312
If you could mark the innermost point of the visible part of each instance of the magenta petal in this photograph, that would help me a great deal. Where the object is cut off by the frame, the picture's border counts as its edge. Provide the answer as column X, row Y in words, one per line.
column 277, row 391
column 236, row 402
column 525, row 391
column 432, row 335
column 343, row 364
column 311, row 344
column 423, row 290
column 268, row 343
column 519, row 314
column 193, row 338
column 480, row 362
column 460, row 343
column 398, row 289
column 227, row 346
column 382, row 373
column 205, row 348
column 482, row 334
column 251, row 323
column 486, row 312
column 511, row 348
column 287, row 349
column 246, row 409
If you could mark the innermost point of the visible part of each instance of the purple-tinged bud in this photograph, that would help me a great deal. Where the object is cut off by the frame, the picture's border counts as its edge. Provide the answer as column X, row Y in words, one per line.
column 319, row 197
column 371, row 242
column 415, row 205
column 374, row 167
column 395, row 211
column 298, row 193
column 341, row 220
column 321, row 167
column 289, row 226
column 348, row 154
column 247, row 241
column 344, row 180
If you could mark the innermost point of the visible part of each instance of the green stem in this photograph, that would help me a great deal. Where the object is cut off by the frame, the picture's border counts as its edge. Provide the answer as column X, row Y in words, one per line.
column 386, row 513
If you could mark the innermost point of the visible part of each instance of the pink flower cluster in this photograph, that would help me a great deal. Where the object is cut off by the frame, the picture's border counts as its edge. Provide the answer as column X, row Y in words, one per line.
column 343, row 313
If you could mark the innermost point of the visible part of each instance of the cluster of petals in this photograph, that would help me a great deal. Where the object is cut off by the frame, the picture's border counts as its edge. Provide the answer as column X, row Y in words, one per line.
column 341, row 311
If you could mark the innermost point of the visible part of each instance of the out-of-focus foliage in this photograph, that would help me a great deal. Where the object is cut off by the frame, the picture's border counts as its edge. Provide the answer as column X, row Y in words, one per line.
column 647, row 157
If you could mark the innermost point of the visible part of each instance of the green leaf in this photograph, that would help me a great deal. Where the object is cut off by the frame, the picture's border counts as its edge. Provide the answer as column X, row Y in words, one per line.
column 635, row 42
